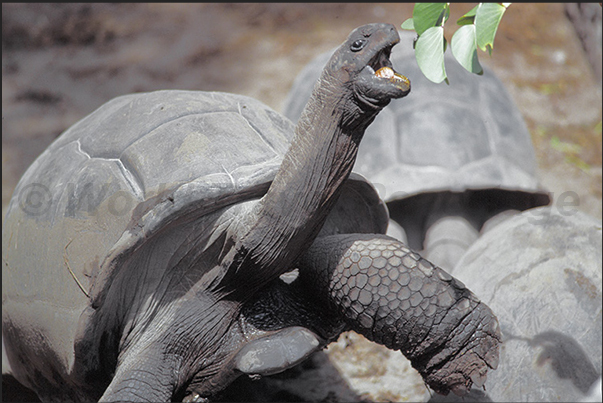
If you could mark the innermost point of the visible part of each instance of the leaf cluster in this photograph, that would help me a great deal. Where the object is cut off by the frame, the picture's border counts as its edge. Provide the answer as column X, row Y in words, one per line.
column 478, row 28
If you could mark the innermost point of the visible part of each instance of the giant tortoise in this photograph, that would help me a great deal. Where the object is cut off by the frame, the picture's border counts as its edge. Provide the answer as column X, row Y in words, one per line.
column 455, row 157
column 143, row 251
column 541, row 272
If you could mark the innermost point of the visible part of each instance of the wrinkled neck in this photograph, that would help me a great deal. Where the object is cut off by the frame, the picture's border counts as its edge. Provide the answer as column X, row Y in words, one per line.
column 320, row 159
column 317, row 164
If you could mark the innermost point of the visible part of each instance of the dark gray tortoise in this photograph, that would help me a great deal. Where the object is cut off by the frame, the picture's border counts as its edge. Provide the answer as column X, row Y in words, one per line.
column 455, row 157
column 143, row 251
column 540, row 271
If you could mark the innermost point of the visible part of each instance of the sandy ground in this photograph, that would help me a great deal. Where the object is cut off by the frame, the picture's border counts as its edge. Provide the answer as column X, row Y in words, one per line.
column 60, row 62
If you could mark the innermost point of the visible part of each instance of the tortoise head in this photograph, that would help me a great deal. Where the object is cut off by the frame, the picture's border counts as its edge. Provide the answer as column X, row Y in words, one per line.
column 363, row 63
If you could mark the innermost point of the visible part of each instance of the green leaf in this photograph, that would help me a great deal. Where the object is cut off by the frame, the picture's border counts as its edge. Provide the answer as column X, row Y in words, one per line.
column 429, row 51
column 487, row 18
column 464, row 49
column 565, row 147
column 468, row 18
column 428, row 15
column 408, row 24
column 548, row 88
column 578, row 162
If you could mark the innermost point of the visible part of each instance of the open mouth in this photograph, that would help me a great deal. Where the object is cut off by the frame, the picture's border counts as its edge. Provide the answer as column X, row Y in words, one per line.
column 381, row 67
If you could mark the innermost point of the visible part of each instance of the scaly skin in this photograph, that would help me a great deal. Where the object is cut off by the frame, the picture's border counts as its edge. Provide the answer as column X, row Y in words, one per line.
column 396, row 298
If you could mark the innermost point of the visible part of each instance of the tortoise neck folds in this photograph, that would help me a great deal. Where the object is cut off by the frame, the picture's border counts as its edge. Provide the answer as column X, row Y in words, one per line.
column 318, row 162
column 307, row 185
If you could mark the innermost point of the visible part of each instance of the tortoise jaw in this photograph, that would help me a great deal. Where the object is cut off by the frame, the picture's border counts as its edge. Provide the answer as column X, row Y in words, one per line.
column 381, row 66
column 398, row 80
column 378, row 82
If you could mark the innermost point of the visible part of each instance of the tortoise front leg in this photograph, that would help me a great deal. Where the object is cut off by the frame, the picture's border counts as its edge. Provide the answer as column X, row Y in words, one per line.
column 394, row 297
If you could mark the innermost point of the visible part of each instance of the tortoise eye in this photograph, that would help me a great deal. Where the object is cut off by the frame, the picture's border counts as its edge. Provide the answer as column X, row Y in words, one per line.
column 358, row 44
